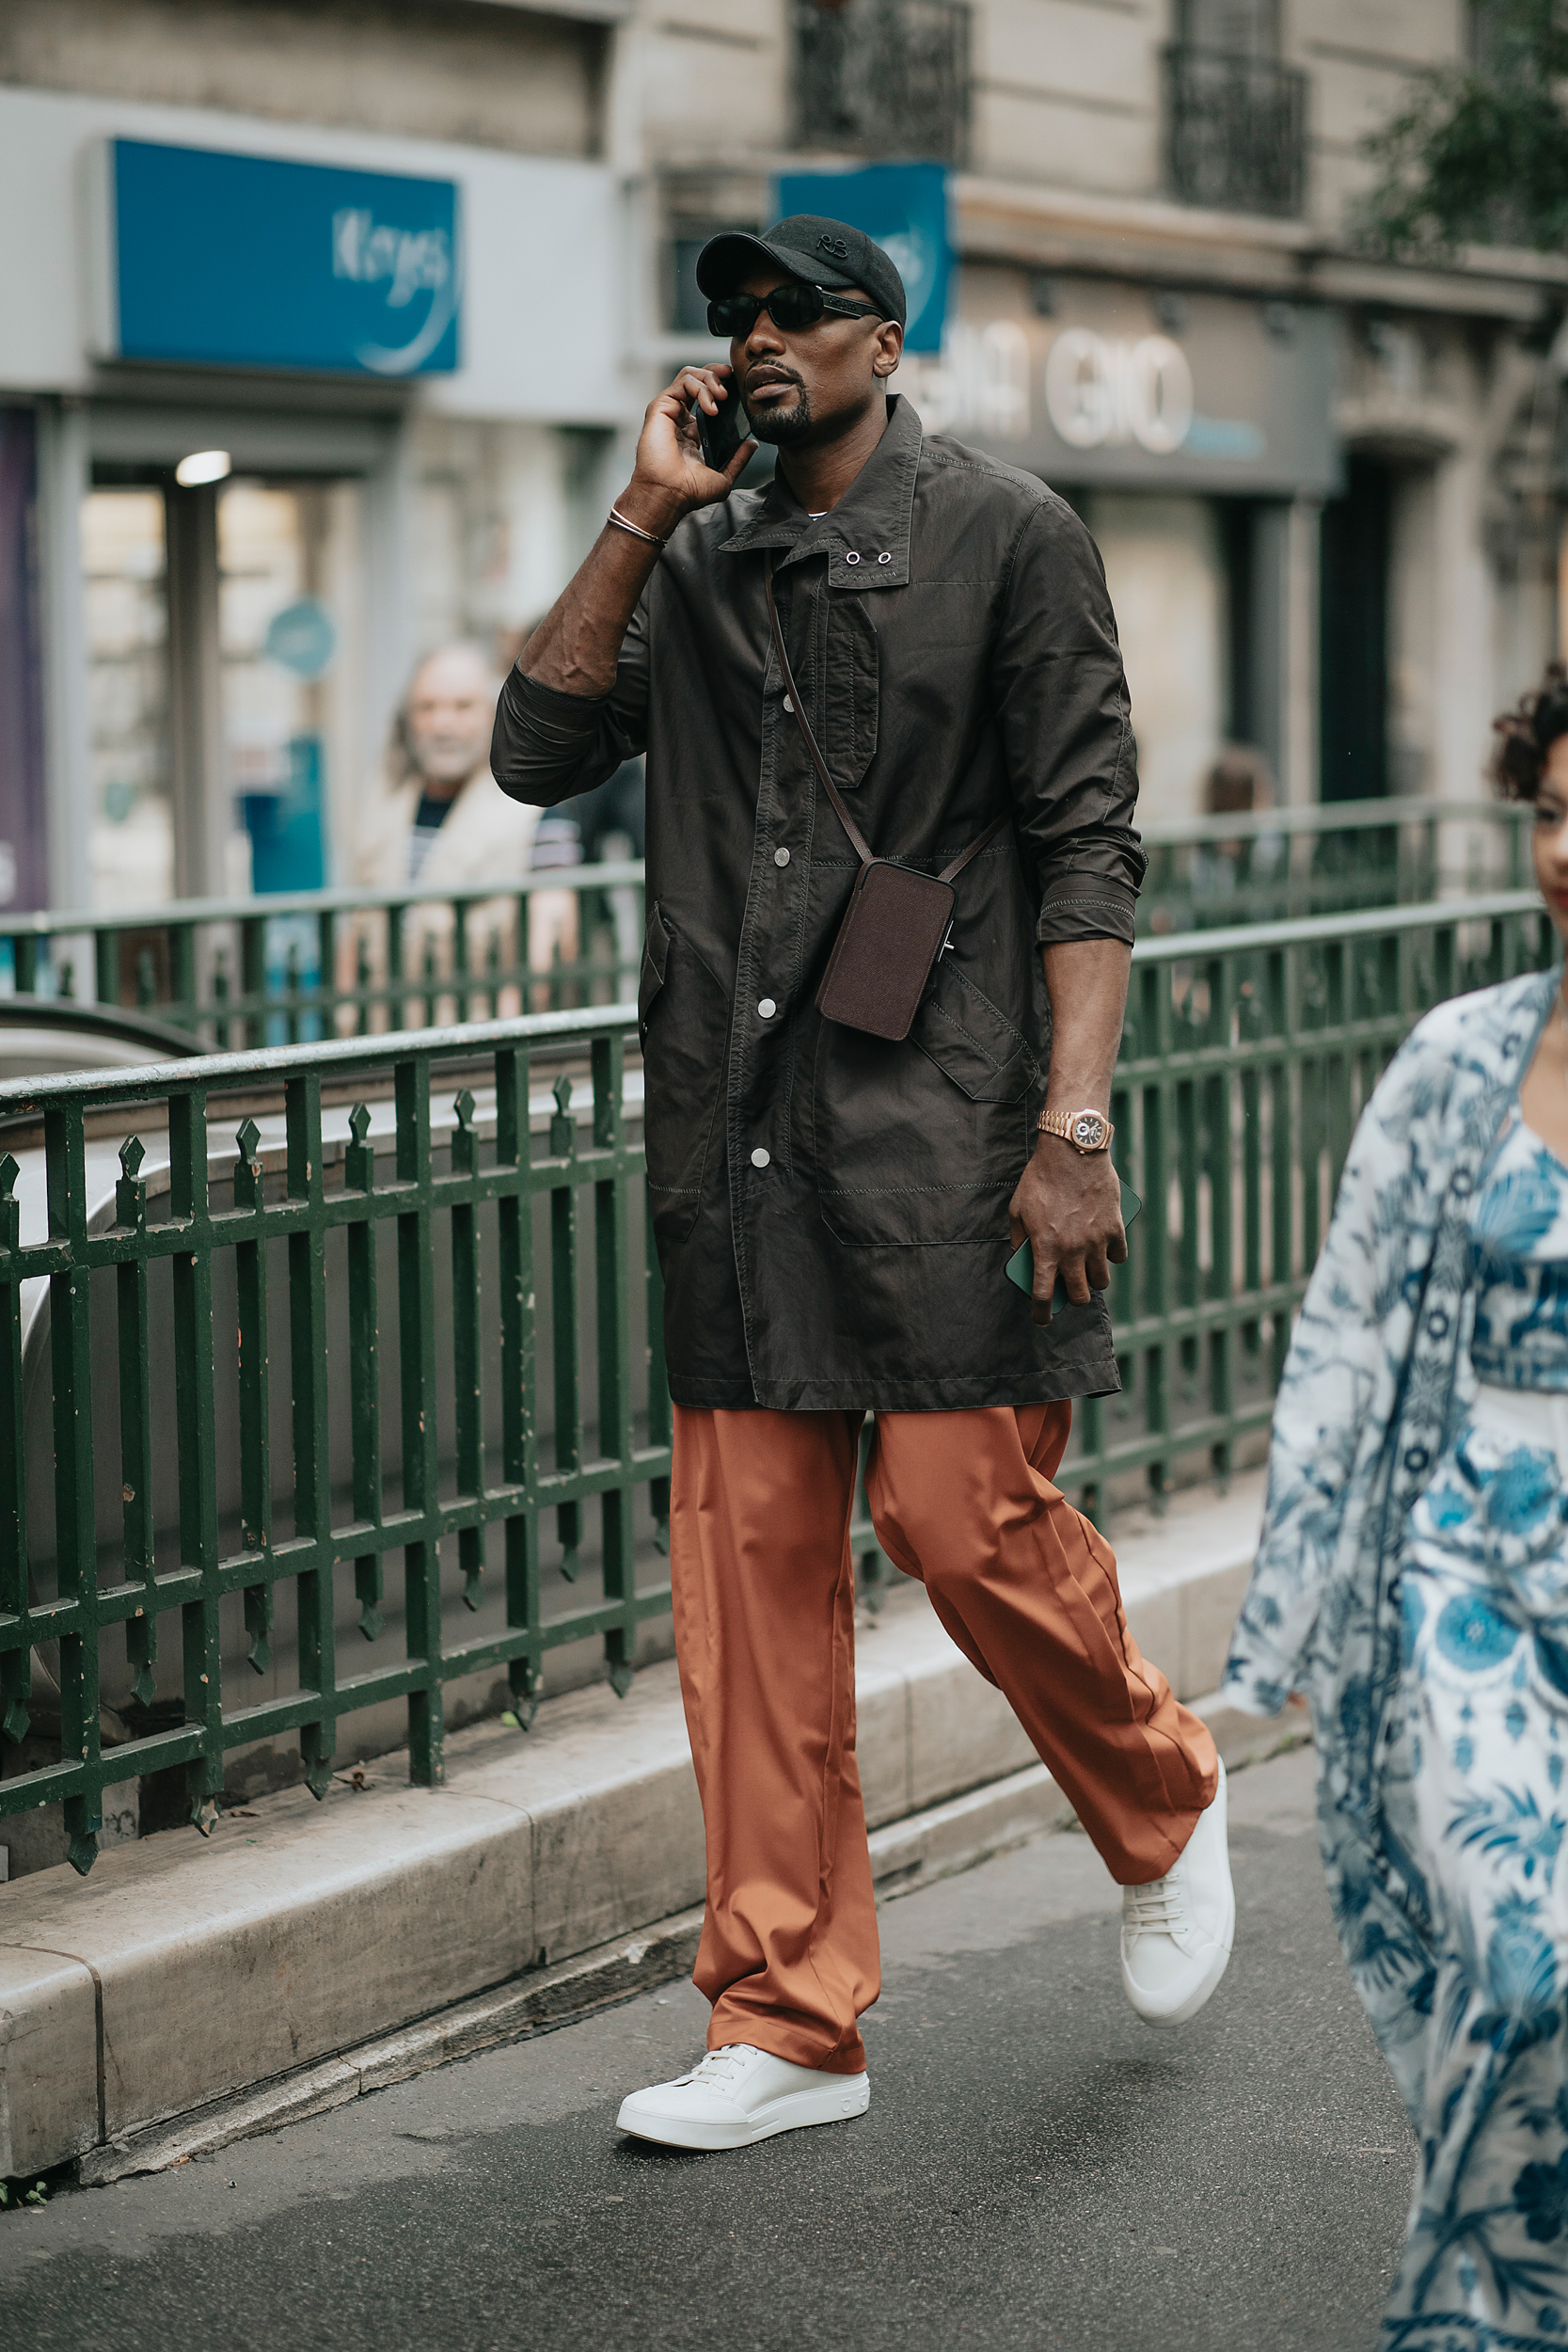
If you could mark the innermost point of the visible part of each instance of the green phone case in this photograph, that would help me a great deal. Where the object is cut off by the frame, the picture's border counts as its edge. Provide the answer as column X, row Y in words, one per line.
column 1021, row 1266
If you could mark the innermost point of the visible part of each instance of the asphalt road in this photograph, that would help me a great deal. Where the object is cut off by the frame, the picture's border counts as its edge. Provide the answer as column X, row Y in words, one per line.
column 1037, row 2168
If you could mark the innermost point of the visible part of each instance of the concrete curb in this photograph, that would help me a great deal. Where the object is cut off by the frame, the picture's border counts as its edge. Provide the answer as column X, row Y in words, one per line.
column 297, row 1933
column 557, row 1997
column 935, row 1844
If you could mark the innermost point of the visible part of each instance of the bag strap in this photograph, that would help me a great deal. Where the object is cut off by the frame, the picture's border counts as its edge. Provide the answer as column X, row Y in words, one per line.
column 861, row 848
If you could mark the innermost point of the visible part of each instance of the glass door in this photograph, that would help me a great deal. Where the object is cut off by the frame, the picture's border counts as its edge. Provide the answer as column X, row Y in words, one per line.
column 225, row 676
column 290, row 637
column 131, row 842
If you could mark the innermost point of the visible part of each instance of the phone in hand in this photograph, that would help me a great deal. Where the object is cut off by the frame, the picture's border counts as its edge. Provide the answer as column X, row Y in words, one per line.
column 722, row 435
column 1020, row 1268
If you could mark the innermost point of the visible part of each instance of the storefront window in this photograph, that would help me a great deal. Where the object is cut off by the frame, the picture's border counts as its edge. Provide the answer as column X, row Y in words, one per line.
column 131, row 849
column 289, row 637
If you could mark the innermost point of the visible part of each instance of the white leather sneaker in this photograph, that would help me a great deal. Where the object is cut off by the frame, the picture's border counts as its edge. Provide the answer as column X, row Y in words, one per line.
column 1177, row 1932
column 738, row 2094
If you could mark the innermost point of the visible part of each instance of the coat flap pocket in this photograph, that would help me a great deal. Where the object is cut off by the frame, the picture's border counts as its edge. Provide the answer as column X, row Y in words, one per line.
column 853, row 676
column 971, row 1042
column 655, row 957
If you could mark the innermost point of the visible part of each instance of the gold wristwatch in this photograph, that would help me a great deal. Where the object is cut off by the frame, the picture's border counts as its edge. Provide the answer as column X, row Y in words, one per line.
column 1086, row 1131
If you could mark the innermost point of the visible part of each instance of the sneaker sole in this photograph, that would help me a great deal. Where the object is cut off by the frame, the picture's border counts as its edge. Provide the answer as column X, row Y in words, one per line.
column 792, row 2113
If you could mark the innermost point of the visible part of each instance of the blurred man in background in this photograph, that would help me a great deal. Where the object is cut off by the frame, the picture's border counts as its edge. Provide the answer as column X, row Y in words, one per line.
column 437, row 820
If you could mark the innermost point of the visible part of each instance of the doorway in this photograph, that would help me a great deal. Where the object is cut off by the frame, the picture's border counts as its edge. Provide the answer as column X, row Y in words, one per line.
column 226, row 638
column 1357, row 540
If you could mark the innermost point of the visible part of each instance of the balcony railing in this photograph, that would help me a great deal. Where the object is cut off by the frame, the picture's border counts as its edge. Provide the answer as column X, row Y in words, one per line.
column 317, row 1364
column 1235, row 132
column 883, row 77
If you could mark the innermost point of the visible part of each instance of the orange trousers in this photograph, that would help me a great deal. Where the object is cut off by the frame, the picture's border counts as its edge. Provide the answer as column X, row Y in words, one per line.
column 764, row 1605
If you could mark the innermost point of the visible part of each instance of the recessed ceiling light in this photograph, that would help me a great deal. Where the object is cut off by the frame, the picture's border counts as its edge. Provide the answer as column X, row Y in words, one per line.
column 202, row 465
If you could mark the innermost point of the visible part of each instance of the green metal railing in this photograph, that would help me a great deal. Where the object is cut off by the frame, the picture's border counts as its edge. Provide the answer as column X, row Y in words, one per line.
column 411, row 1309
column 247, row 972
column 293, row 968
column 1246, row 1061
column 1205, row 871
column 195, row 1494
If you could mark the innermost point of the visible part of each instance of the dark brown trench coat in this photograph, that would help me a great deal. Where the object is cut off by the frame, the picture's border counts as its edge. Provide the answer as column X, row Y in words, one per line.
column 832, row 1210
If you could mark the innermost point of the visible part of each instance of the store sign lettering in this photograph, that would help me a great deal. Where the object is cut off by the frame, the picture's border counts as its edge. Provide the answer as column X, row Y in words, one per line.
column 1100, row 392
column 1103, row 393
column 415, row 261
column 979, row 385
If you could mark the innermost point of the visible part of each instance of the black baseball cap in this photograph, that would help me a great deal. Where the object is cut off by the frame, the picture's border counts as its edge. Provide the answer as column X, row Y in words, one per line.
column 824, row 252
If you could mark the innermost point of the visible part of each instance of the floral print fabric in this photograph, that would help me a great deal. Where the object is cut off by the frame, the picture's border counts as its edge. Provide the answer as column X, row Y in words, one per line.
column 1519, row 1241
column 1407, row 1581
column 1484, row 1599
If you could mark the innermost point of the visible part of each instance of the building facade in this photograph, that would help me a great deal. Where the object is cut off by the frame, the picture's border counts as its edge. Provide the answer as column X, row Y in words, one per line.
column 1326, row 487
column 201, row 654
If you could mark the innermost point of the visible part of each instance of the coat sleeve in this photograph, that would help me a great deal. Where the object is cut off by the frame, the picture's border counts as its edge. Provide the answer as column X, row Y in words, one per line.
column 1060, row 696
column 547, row 746
column 1339, row 1398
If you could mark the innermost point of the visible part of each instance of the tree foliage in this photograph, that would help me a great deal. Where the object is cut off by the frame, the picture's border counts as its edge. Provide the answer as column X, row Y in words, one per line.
column 1478, row 153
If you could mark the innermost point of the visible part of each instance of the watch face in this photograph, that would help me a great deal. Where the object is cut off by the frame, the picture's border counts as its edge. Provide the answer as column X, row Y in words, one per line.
column 1089, row 1130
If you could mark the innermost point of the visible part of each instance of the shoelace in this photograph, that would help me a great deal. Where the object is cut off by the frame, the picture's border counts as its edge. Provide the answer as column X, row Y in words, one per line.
column 717, row 2066
column 1162, row 1906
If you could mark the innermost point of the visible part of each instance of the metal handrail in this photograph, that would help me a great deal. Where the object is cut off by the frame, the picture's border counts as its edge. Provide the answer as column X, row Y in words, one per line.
column 337, row 1056
column 53, row 923
column 1333, row 929
column 1334, row 817
column 208, row 1073
column 304, row 964
column 1160, row 832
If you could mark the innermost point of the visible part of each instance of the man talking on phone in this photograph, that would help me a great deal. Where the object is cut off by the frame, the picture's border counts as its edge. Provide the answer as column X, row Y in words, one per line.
column 891, row 870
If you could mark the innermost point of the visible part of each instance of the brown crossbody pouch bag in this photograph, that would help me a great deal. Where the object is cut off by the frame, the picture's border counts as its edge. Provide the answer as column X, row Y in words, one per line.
column 896, row 922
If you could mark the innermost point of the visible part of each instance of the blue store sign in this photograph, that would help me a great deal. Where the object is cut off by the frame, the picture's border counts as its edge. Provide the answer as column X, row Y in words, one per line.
column 240, row 261
column 303, row 637
column 904, row 207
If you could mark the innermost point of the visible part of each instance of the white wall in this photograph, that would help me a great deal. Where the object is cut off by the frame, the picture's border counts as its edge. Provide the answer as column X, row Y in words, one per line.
column 1163, row 566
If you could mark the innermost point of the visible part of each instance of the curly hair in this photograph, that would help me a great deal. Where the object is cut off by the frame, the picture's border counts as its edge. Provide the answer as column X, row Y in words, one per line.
column 1526, row 733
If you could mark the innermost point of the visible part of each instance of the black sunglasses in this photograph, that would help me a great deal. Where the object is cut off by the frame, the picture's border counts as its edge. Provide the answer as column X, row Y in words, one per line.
column 794, row 304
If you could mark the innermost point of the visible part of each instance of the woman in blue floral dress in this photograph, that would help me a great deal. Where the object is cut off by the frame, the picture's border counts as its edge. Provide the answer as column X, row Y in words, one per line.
column 1413, row 1581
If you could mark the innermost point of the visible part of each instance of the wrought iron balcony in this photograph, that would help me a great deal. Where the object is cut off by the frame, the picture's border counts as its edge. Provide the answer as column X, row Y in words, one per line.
column 1235, row 132
column 883, row 77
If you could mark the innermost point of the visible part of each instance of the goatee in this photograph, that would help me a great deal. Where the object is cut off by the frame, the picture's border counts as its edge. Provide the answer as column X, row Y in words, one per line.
column 781, row 426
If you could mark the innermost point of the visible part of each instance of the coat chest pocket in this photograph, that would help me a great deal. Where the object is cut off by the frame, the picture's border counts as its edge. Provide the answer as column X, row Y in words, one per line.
column 853, row 689
column 923, row 1141
column 683, row 1018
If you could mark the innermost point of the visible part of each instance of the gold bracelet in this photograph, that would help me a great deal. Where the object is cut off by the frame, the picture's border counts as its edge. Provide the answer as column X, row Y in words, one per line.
column 623, row 523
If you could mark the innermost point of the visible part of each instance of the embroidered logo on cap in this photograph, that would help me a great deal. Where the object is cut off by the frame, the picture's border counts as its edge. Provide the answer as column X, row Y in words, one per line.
column 835, row 245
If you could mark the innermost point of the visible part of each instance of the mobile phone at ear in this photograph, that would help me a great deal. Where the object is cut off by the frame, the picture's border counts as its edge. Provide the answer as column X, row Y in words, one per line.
column 1020, row 1268
column 722, row 435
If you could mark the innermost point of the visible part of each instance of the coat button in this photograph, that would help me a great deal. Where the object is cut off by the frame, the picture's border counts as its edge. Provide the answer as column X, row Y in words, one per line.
column 768, row 1007
column 760, row 1158
column 781, row 857
column 788, row 704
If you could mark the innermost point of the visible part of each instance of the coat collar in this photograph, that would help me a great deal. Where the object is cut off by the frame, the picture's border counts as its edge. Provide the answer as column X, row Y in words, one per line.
column 865, row 537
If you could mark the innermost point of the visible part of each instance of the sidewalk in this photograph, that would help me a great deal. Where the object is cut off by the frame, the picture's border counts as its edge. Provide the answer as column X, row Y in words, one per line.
column 186, row 1971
